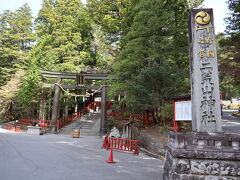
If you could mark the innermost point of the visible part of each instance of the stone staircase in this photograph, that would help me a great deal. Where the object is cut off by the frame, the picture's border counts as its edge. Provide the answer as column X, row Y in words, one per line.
column 89, row 125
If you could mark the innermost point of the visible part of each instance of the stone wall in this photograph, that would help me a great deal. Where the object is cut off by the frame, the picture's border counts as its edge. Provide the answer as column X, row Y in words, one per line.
column 202, row 156
column 200, row 169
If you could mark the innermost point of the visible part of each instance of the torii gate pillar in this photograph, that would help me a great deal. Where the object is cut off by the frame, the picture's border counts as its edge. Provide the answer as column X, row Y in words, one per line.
column 55, row 107
column 103, row 128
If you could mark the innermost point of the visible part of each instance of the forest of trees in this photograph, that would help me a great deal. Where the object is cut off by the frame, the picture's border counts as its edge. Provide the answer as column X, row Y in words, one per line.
column 143, row 43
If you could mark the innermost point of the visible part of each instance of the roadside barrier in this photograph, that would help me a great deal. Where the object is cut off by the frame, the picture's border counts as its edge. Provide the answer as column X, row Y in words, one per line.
column 110, row 157
column 121, row 144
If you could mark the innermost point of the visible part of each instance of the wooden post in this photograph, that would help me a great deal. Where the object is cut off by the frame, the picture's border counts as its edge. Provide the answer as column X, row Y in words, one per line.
column 55, row 105
column 103, row 128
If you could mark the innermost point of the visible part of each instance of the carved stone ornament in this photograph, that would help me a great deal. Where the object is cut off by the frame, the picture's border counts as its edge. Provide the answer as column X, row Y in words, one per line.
column 202, row 18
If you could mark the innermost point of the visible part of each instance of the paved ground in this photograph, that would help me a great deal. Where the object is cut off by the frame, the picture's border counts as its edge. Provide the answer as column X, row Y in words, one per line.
column 60, row 157
column 230, row 123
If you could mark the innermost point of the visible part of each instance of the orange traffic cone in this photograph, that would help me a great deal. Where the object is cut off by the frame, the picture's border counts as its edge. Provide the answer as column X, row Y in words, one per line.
column 110, row 158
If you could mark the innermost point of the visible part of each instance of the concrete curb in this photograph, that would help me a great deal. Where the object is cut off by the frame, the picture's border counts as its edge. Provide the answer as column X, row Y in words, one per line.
column 145, row 151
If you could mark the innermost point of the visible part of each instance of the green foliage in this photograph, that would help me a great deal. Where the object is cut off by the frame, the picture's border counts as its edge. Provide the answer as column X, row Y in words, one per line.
column 107, row 17
column 195, row 3
column 153, row 62
column 16, row 37
column 64, row 29
column 229, row 89
column 233, row 20
column 31, row 88
column 166, row 110
column 111, row 122
column 9, row 91
column 143, row 41
column 105, row 53
column 163, row 129
column 229, row 52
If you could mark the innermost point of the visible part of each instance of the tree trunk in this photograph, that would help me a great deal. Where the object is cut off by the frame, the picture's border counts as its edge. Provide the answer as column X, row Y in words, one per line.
column 42, row 109
column 155, row 118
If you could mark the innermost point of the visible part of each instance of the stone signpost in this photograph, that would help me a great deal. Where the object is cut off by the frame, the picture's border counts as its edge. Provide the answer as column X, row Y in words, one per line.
column 204, row 73
column 207, row 153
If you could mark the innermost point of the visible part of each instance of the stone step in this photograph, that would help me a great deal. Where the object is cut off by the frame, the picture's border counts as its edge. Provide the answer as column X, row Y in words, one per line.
column 86, row 132
column 86, row 123
column 83, row 132
column 86, row 127
column 89, row 125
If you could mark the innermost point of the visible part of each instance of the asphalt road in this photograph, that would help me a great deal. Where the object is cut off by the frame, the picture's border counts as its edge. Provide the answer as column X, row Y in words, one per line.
column 61, row 157
column 230, row 123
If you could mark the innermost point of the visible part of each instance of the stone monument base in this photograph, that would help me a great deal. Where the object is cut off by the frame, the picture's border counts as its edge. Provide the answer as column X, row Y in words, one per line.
column 202, row 156
column 34, row 130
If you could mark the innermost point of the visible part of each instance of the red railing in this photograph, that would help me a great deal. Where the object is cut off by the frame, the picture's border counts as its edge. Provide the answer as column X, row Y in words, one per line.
column 13, row 128
column 63, row 122
column 60, row 123
column 145, row 119
column 28, row 122
column 121, row 144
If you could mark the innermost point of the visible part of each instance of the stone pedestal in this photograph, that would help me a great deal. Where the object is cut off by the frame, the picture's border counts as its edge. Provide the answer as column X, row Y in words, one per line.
column 202, row 156
column 34, row 130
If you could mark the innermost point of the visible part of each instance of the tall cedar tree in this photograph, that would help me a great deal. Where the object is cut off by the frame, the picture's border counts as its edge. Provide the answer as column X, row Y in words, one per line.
column 107, row 17
column 64, row 44
column 64, row 31
column 230, row 51
column 109, row 14
column 153, row 63
column 16, row 37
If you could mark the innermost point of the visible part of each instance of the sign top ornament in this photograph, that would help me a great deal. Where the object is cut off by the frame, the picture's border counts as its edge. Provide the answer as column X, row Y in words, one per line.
column 202, row 18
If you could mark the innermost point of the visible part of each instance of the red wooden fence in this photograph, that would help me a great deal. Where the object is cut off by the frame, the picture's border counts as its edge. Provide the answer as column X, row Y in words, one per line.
column 47, row 123
column 28, row 122
column 121, row 144
column 145, row 119
column 63, row 122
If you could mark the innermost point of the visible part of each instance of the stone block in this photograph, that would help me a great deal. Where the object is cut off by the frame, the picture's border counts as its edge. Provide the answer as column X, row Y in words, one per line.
column 34, row 130
column 205, row 167
column 230, row 169
column 215, row 160
column 183, row 166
